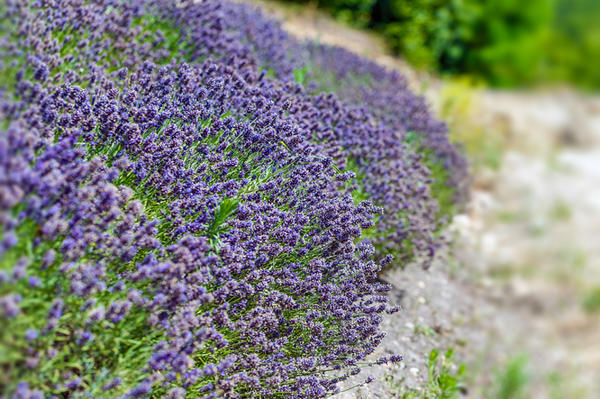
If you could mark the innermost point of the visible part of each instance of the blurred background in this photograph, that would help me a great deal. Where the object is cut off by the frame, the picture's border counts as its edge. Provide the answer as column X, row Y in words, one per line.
column 504, row 43
column 518, row 83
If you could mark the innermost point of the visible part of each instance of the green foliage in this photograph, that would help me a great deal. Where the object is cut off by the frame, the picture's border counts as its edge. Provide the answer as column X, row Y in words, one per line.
column 574, row 46
column 440, row 189
column 499, row 40
column 591, row 302
column 443, row 382
column 300, row 74
column 223, row 213
column 428, row 33
column 356, row 12
column 505, row 42
column 445, row 379
column 511, row 382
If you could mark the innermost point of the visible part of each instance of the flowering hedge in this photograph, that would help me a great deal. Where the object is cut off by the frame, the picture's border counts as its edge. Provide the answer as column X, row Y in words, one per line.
column 373, row 125
column 176, row 223
column 387, row 97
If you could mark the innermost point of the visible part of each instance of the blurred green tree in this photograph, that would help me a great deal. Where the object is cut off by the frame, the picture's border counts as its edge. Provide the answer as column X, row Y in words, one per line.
column 505, row 42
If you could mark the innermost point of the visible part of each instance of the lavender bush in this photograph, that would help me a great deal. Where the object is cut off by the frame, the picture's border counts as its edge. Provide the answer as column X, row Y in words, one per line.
column 176, row 223
column 386, row 95
column 372, row 124
column 390, row 172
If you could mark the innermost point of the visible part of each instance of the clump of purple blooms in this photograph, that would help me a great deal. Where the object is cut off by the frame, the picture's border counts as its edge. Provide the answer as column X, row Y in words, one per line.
column 370, row 123
column 176, row 223
column 387, row 97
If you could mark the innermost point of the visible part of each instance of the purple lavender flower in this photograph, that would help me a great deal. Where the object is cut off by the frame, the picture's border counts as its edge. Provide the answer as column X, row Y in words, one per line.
column 35, row 281
column 9, row 305
column 115, row 382
column 85, row 337
column 73, row 384
column 31, row 334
